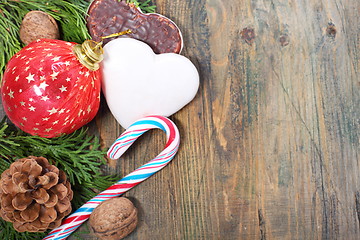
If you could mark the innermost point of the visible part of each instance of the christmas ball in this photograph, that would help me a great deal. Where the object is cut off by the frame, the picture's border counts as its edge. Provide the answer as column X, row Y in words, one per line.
column 52, row 87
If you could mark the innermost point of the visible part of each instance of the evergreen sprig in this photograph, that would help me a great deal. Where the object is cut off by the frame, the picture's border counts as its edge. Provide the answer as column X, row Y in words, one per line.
column 145, row 6
column 77, row 154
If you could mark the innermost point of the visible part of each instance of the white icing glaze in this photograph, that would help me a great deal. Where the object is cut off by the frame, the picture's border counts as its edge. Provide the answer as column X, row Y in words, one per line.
column 138, row 83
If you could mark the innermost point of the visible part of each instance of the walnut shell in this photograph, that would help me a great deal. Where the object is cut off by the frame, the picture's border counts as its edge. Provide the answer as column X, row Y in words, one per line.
column 114, row 219
column 36, row 25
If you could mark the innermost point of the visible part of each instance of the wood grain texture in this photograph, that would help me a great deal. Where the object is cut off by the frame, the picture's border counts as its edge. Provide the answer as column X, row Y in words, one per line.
column 270, row 145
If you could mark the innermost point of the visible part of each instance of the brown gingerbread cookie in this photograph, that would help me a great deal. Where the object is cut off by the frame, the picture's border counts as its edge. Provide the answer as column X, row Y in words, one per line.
column 106, row 17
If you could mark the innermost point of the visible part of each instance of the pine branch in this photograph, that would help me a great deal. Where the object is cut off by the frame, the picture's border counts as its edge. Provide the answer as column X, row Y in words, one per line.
column 77, row 154
column 145, row 6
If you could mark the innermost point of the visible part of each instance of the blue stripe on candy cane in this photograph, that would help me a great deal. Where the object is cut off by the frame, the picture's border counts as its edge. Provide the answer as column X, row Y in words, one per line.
column 137, row 177
column 129, row 135
column 152, row 122
column 155, row 163
column 84, row 210
column 64, row 232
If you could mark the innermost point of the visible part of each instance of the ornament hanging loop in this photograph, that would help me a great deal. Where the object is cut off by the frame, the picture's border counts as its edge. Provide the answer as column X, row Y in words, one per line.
column 90, row 53
column 117, row 34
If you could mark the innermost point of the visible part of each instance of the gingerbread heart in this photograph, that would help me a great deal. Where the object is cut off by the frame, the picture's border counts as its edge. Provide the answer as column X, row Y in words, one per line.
column 106, row 17
column 137, row 82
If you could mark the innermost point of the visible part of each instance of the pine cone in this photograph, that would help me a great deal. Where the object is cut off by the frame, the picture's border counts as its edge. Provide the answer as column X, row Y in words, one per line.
column 34, row 195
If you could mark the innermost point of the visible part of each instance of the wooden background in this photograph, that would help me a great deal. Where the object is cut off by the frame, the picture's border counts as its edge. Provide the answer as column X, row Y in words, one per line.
column 270, row 145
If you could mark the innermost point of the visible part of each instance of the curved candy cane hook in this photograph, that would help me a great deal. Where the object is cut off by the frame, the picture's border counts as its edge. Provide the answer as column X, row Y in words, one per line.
column 71, row 223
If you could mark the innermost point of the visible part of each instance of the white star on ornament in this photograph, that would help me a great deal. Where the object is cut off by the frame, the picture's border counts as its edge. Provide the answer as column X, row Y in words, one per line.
column 65, row 123
column 67, row 63
column 55, row 59
column 43, row 85
column 45, row 119
column 52, row 111
column 30, row 77
column 24, row 118
column 27, row 62
column 35, row 129
column 27, row 68
column 32, row 108
column 20, row 90
column 89, row 109
column 31, row 99
column 45, row 98
column 87, row 74
column 49, row 55
column 55, row 122
column 23, row 57
column 68, row 79
column 81, row 72
column 63, row 89
column 48, row 129
column 22, row 103
column 54, row 75
column 40, row 69
column 80, row 112
column 11, row 94
column 62, row 111
column 30, row 48
column 17, row 78
column 14, row 68
column 42, row 60
column 58, row 97
column 47, row 49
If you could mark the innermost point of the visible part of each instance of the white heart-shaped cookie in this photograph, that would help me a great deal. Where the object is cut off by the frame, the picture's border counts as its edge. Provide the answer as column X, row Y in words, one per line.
column 138, row 83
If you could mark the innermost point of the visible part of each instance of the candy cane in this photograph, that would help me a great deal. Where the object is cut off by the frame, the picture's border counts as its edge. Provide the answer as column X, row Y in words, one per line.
column 71, row 223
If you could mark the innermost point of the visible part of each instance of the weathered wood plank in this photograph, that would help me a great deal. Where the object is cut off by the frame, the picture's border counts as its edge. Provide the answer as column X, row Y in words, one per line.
column 270, row 145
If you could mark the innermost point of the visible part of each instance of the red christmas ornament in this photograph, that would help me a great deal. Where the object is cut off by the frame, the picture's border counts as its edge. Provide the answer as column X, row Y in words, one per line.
column 52, row 87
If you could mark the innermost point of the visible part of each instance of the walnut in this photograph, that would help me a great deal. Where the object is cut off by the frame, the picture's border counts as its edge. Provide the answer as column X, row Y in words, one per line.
column 114, row 219
column 36, row 25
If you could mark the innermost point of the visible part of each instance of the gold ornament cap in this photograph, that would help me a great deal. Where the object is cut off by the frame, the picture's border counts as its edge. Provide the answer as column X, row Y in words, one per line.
column 90, row 54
